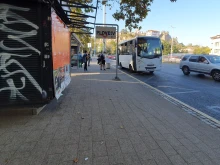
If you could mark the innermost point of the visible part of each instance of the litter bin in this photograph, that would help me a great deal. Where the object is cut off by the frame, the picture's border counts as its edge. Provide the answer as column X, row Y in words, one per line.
column 107, row 63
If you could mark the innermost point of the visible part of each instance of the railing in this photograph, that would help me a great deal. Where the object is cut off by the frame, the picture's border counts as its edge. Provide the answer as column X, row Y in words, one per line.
column 175, row 58
column 171, row 59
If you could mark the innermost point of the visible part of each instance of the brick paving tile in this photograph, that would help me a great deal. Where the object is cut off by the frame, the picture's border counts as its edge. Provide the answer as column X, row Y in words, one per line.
column 99, row 121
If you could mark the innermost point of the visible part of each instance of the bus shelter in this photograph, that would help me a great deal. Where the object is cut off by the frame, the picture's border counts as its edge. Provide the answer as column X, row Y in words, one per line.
column 36, row 38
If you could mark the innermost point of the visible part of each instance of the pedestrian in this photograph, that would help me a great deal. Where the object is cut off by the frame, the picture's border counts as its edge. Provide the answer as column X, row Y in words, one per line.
column 102, row 61
column 85, row 60
column 80, row 60
column 99, row 60
column 89, row 58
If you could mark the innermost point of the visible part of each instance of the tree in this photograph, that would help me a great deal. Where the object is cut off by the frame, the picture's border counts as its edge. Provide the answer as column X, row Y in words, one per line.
column 166, row 47
column 176, row 49
column 82, row 33
column 112, row 47
column 124, row 31
column 133, row 12
column 201, row 50
column 189, row 45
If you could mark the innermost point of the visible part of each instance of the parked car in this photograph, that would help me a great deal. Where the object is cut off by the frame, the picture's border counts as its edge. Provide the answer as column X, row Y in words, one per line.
column 112, row 57
column 205, row 64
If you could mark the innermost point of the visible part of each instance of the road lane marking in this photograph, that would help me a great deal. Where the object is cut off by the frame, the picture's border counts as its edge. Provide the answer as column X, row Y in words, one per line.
column 172, row 87
column 171, row 93
column 184, row 106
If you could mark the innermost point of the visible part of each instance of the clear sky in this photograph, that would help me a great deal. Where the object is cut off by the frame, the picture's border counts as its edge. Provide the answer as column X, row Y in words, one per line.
column 195, row 21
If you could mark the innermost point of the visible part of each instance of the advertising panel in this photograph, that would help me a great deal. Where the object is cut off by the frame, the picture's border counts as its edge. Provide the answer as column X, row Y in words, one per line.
column 61, row 55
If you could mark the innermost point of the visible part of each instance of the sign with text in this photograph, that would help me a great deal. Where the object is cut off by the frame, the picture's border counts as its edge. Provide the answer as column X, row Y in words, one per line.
column 104, row 32
column 89, row 45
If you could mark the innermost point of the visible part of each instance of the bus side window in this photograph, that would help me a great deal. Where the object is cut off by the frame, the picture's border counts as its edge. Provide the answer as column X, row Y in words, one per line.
column 126, row 49
column 138, row 50
column 122, row 49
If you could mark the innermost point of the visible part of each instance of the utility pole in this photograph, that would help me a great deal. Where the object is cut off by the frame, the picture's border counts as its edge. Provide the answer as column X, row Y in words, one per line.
column 104, row 21
column 116, row 77
column 171, row 51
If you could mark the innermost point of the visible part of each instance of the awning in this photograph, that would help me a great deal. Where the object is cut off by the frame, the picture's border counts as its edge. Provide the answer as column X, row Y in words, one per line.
column 75, row 19
column 75, row 41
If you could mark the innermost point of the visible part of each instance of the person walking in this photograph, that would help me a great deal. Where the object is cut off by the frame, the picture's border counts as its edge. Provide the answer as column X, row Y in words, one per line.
column 80, row 59
column 85, row 60
column 89, row 58
column 102, row 60
column 99, row 60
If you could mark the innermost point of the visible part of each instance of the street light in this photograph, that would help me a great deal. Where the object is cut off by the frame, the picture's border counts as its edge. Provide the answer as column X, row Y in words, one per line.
column 171, row 51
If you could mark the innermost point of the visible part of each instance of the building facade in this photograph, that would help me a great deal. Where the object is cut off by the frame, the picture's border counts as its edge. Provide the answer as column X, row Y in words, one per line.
column 215, row 45
column 153, row 33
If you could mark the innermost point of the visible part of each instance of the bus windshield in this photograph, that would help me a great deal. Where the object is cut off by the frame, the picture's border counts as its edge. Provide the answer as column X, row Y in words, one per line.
column 149, row 47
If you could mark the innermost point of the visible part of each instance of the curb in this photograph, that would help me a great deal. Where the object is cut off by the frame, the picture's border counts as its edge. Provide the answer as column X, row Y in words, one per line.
column 193, row 111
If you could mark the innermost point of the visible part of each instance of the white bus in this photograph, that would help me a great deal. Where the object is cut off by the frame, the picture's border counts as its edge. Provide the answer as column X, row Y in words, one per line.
column 141, row 54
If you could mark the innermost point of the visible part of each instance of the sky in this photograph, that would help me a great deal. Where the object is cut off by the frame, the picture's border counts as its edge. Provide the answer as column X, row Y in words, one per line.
column 193, row 21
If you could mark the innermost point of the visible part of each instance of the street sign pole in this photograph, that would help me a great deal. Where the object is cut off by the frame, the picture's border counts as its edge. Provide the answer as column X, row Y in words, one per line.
column 116, row 76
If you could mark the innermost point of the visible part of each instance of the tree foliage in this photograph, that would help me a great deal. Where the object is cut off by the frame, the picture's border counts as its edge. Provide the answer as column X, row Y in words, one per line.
column 201, row 50
column 166, row 47
column 125, row 35
column 177, row 47
column 111, row 47
column 84, row 38
column 133, row 12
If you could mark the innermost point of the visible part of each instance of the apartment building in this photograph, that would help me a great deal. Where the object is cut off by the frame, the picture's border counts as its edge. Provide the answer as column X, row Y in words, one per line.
column 153, row 33
column 215, row 45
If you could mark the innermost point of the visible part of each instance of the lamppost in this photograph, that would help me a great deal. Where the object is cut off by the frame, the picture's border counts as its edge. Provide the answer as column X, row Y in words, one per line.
column 171, row 51
column 104, row 20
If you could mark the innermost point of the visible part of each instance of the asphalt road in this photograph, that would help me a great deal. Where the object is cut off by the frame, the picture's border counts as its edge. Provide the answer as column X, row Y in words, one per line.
column 198, row 91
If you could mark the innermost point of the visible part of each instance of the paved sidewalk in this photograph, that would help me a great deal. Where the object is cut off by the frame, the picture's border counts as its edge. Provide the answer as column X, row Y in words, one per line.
column 99, row 121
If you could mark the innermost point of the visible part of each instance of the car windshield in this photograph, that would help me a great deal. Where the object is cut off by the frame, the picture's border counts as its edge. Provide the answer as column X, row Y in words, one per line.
column 214, row 59
column 149, row 47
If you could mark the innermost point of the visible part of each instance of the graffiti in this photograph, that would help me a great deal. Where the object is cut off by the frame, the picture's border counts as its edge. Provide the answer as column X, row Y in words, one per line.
column 15, row 91
column 5, row 13
column 8, row 58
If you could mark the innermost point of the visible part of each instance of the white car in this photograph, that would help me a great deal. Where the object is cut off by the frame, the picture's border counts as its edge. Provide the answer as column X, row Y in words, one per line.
column 205, row 64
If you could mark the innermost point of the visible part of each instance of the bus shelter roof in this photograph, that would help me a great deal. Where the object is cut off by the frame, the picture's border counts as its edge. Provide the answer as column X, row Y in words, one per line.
column 72, row 18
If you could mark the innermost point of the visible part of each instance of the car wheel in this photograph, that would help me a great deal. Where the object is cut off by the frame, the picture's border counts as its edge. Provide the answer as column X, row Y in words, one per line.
column 151, row 72
column 216, row 75
column 185, row 70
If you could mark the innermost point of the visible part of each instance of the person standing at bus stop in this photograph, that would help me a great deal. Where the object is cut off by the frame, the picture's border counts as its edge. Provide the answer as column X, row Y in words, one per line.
column 85, row 60
column 102, row 61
